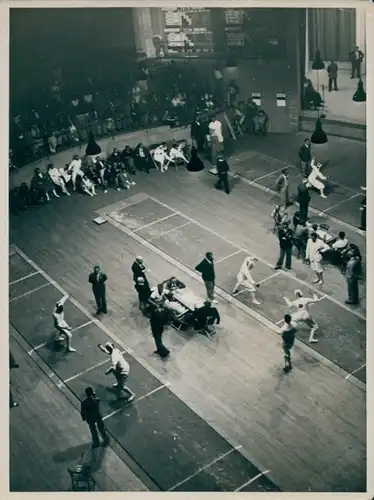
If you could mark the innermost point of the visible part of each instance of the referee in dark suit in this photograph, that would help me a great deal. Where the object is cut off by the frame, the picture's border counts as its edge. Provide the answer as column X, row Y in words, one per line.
column 222, row 173
column 90, row 412
column 97, row 280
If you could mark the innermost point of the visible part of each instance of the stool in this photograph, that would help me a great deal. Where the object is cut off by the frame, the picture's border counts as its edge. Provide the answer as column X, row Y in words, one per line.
column 81, row 479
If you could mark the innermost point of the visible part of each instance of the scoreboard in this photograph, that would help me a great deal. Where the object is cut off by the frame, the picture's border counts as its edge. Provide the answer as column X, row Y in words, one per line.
column 252, row 32
column 188, row 30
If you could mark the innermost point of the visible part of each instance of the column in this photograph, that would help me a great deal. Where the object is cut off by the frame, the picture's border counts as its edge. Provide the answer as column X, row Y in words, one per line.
column 307, row 41
column 143, row 31
column 361, row 34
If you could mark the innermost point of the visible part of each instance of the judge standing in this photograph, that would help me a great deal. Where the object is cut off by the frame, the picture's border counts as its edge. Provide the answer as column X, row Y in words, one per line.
column 158, row 320
column 90, row 413
column 97, row 280
column 215, row 138
column 138, row 269
column 305, row 156
column 303, row 198
column 206, row 268
column 223, row 174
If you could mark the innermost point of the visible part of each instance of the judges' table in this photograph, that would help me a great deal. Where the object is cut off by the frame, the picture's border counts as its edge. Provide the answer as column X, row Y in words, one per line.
column 190, row 301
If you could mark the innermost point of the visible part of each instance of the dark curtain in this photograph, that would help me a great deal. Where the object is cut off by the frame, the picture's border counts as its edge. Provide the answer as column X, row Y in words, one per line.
column 333, row 31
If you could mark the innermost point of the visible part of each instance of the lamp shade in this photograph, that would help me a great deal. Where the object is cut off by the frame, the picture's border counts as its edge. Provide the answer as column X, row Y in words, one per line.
column 360, row 94
column 92, row 149
column 319, row 136
column 318, row 63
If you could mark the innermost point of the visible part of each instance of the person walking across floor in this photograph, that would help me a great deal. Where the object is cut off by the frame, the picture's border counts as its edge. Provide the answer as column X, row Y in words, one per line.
column 288, row 332
column 303, row 198
column 356, row 57
column 222, row 173
column 285, row 237
column 97, row 280
column 283, row 189
column 90, row 413
column 332, row 72
column 305, row 156
column 206, row 268
column 120, row 369
column 158, row 320
column 352, row 276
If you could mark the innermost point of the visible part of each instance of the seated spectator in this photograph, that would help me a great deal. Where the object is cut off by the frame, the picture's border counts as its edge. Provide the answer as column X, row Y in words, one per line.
column 311, row 98
column 173, row 284
column 127, row 156
column 251, row 110
column 105, row 174
column 19, row 199
column 157, row 294
column 93, row 173
column 121, row 179
column 176, row 154
column 88, row 186
column 40, row 186
column 141, row 158
column 75, row 169
column 260, row 122
column 57, row 179
column 173, row 305
column 24, row 196
column 144, row 293
column 206, row 316
column 341, row 243
column 114, row 157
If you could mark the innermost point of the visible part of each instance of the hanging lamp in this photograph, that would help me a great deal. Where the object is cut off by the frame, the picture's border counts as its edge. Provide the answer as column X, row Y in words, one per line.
column 319, row 135
column 360, row 94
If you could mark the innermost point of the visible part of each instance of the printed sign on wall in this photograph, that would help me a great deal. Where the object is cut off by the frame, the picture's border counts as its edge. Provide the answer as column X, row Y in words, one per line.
column 281, row 100
column 256, row 96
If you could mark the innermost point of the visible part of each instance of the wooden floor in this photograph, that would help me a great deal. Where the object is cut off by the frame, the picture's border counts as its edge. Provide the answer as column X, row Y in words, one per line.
column 300, row 427
column 39, row 460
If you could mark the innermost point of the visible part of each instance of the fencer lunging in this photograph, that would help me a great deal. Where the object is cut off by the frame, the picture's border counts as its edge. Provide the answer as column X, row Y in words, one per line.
column 315, row 177
column 303, row 313
column 244, row 279
column 63, row 329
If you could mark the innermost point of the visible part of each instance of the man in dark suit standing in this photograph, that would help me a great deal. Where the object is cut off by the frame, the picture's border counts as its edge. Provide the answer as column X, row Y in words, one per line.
column 159, row 319
column 285, row 236
column 138, row 269
column 332, row 71
column 363, row 213
column 305, row 156
column 222, row 173
column 356, row 57
column 97, row 280
column 90, row 413
column 352, row 274
column 206, row 268
column 303, row 198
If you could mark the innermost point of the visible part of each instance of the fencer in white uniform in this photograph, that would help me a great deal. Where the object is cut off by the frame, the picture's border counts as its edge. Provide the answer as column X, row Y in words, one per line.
column 315, row 177
column 244, row 279
column 63, row 329
column 302, row 314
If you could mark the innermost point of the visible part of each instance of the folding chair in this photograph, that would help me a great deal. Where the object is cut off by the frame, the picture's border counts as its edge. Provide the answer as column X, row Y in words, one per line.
column 81, row 479
column 208, row 330
column 182, row 321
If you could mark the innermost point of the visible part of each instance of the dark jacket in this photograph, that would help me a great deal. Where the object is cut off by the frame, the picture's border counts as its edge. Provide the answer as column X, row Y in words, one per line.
column 158, row 320
column 138, row 271
column 90, row 410
column 303, row 195
column 144, row 291
column 202, row 314
column 352, row 56
column 98, row 282
column 206, row 269
column 285, row 237
column 222, row 166
column 305, row 153
column 332, row 70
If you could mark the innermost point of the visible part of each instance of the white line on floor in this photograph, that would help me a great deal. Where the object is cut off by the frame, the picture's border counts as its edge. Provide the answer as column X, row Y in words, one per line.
column 88, row 370
column 205, row 467
column 227, row 257
column 252, row 480
column 163, row 386
column 23, row 278
column 51, row 340
column 268, row 175
column 29, row 292
column 268, row 278
column 154, row 222
column 355, row 371
column 339, row 203
column 305, row 283
column 170, row 231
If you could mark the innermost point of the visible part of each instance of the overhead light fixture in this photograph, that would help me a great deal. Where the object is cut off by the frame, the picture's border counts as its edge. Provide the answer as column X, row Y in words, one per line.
column 360, row 94
column 319, row 135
